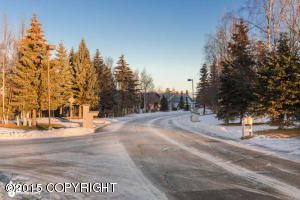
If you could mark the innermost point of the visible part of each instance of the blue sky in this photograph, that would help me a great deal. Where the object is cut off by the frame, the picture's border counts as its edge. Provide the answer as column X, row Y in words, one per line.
column 164, row 36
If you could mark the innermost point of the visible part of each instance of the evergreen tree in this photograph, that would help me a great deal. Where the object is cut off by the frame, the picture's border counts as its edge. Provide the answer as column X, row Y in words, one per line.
column 64, row 76
column 187, row 106
column 106, row 89
column 32, row 57
column 213, row 86
column 242, row 77
column 85, row 78
column 108, row 101
column 261, row 56
column 202, row 88
column 226, row 104
column 181, row 101
column 279, row 92
column 164, row 104
column 121, row 77
column 133, row 96
column 71, row 62
column 98, row 65
column 75, row 88
column 126, row 84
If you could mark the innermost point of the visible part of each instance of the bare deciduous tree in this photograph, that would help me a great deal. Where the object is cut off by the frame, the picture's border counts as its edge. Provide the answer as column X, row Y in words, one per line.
column 267, row 19
column 8, row 56
column 146, row 83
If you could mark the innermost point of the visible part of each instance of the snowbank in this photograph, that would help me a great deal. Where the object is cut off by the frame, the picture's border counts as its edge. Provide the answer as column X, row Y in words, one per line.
column 13, row 134
column 211, row 126
column 71, row 129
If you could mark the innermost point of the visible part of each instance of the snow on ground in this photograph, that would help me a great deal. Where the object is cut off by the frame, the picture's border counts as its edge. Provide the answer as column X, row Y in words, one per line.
column 72, row 128
column 8, row 134
column 211, row 126
column 140, row 115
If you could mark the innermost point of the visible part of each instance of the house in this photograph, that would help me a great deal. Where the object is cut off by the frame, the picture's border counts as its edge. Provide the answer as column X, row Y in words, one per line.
column 174, row 99
column 152, row 101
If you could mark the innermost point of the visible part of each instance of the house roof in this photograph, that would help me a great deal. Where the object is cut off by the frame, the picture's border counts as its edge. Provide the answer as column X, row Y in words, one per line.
column 152, row 97
column 175, row 98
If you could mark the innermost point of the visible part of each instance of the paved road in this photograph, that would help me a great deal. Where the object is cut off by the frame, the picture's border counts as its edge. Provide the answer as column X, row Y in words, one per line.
column 150, row 158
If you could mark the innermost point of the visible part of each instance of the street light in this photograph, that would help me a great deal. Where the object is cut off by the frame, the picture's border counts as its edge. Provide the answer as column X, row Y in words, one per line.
column 49, row 47
column 3, row 84
column 190, row 79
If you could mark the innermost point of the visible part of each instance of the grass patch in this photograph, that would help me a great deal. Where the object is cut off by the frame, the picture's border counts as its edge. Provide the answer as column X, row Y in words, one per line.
column 39, row 126
column 239, row 124
column 247, row 137
column 280, row 133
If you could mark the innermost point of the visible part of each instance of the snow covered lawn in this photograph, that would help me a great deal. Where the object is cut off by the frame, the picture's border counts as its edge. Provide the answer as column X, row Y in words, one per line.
column 211, row 126
column 71, row 129
column 8, row 134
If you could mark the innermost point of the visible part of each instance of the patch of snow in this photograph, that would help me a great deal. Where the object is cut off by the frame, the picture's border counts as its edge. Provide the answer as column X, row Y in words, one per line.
column 209, row 125
column 34, row 134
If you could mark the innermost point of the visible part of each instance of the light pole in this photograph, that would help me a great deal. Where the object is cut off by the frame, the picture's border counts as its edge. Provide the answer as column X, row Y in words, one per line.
column 49, row 47
column 3, row 84
column 192, row 80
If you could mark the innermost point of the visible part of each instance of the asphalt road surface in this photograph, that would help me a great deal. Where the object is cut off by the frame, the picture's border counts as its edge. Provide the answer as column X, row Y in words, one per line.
column 149, row 158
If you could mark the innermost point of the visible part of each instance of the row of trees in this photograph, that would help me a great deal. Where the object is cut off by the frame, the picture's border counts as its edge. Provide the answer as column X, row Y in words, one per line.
column 70, row 78
column 254, row 69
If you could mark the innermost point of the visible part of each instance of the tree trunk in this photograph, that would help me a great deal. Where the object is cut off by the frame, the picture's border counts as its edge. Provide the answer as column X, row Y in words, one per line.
column 34, row 117
column 145, row 103
column 241, row 118
column 203, row 109
column 80, row 112
column 281, row 121
column 60, row 111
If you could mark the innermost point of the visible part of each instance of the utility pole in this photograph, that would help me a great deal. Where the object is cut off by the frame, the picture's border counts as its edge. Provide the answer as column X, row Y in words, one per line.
column 3, row 88
column 49, row 98
column 49, row 48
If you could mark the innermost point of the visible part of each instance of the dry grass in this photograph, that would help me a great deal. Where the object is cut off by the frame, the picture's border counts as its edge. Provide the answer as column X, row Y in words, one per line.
column 280, row 133
column 239, row 124
column 40, row 126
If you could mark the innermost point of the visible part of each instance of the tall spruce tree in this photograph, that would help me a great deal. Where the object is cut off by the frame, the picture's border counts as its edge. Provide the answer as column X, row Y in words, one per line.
column 242, row 76
column 226, row 104
column 64, row 76
column 126, row 85
column 279, row 82
column 32, row 58
column 73, row 71
column 214, row 81
column 164, row 104
column 133, row 96
column 108, row 103
column 106, row 89
column 181, row 101
column 203, row 87
column 99, row 67
column 85, row 78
